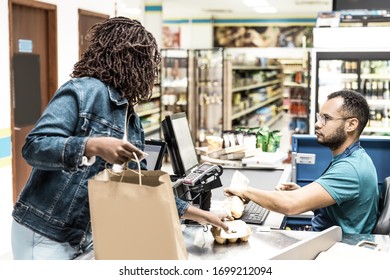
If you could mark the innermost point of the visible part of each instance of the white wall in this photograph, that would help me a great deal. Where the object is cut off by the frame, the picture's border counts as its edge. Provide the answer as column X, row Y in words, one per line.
column 68, row 30
column 67, row 23
column 196, row 36
column 153, row 23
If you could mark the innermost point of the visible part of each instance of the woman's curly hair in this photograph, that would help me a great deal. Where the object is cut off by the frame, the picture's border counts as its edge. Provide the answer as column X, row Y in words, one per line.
column 122, row 54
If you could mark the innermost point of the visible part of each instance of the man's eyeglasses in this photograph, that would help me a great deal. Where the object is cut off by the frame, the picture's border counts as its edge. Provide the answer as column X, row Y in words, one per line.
column 323, row 119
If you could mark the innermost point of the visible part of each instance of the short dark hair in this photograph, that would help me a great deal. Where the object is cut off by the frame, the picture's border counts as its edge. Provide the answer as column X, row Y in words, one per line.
column 122, row 54
column 354, row 105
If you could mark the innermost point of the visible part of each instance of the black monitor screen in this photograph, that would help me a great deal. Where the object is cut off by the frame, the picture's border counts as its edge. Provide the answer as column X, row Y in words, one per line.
column 181, row 148
column 155, row 150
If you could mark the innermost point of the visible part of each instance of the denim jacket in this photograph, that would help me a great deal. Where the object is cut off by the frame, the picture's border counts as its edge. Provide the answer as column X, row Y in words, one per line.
column 54, row 201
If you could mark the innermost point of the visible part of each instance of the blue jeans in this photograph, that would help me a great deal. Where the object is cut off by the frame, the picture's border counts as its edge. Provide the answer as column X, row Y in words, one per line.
column 29, row 245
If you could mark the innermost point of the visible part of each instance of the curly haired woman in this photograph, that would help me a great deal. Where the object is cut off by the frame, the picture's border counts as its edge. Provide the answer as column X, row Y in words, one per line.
column 89, row 123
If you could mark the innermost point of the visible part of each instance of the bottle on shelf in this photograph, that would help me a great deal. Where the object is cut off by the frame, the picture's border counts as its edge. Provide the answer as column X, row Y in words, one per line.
column 367, row 90
column 372, row 120
column 355, row 86
column 378, row 117
column 374, row 90
column 365, row 66
column 386, row 118
column 347, row 85
column 386, row 92
column 380, row 90
column 354, row 67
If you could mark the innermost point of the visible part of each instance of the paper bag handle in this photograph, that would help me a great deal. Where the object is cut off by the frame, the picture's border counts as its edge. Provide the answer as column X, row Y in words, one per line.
column 139, row 168
column 126, row 168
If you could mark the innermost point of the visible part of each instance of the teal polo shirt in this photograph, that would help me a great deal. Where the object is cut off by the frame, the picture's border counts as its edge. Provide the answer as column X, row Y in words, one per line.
column 353, row 183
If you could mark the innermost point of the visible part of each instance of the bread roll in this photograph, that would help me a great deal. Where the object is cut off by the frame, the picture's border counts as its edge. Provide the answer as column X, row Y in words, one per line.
column 236, row 206
column 214, row 143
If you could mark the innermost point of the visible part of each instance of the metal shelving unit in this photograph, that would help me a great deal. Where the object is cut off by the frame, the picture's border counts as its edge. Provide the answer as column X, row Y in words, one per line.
column 209, row 91
column 177, row 90
column 254, row 94
column 297, row 92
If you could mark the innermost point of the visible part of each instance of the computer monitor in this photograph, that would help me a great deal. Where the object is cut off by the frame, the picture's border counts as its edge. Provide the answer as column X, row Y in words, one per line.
column 180, row 146
column 155, row 150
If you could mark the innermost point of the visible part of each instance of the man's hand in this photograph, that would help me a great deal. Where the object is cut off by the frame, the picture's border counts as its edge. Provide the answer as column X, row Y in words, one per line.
column 238, row 191
column 287, row 187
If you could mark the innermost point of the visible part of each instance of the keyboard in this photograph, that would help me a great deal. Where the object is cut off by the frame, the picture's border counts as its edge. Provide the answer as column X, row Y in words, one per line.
column 254, row 213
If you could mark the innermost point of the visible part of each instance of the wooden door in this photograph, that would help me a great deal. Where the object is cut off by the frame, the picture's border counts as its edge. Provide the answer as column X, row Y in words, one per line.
column 86, row 20
column 33, row 54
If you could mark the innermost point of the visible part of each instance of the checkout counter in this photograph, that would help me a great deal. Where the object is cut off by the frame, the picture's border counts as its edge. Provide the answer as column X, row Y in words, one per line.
column 265, row 179
column 270, row 241
column 267, row 245
column 267, row 241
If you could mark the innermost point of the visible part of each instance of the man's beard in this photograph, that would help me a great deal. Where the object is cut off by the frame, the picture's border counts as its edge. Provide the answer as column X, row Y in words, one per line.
column 335, row 140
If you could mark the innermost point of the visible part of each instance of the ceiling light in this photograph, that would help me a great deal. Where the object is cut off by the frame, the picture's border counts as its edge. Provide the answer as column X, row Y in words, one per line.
column 313, row 2
column 217, row 11
column 265, row 10
column 256, row 3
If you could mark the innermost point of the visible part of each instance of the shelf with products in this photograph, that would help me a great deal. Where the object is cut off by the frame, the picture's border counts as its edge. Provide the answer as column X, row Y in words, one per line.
column 297, row 91
column 265, row 116
column 379, row 122
column 150, row 113
column 254, row 92
column 145, row 111
column 367, row 72
column 254, row 107
column 256, row 85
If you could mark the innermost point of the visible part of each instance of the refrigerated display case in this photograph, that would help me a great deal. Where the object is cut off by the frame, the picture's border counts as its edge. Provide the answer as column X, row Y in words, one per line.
column 365, row 71
column 209, row 91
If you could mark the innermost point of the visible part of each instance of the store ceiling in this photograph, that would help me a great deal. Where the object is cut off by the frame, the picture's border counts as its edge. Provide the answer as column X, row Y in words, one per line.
column 237, row 8
column 176, row 9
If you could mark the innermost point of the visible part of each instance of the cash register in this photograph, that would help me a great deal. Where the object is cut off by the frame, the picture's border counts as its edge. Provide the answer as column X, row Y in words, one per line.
column 193, row 181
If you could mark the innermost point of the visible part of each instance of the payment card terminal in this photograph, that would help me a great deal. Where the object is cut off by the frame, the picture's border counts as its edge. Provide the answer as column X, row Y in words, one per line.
column 203, row 171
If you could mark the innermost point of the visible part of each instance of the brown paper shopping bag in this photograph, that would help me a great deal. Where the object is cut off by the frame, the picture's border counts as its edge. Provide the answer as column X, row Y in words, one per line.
column 135, row 221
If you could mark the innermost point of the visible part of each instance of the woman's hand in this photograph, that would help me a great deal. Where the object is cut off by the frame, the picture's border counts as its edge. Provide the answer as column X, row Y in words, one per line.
column 217, row 220
column 206, row 217
column 112, row 150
